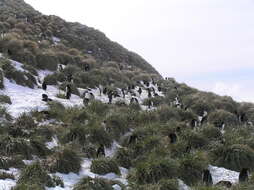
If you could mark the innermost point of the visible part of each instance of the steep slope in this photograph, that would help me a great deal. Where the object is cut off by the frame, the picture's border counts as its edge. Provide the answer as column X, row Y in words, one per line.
column 24, row 23
column 121, row 126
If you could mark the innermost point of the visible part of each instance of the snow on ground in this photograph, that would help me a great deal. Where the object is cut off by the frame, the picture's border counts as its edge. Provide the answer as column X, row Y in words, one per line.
column 222, row 174
column 17, row 65
column 182, row 185
column 52, row 144
column 7, row 184
column 56, row 40
column 110, row 152
column 71, row 179
column 25, row 99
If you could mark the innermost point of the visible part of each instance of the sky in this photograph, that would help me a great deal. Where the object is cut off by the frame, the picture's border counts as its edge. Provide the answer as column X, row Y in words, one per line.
column 207, row 44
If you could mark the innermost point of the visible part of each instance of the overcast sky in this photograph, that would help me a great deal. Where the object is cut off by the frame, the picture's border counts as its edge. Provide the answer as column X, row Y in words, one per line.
column 208, row 44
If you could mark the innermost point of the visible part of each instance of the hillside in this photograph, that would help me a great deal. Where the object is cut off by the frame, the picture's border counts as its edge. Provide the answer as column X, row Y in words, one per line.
column 78, row 111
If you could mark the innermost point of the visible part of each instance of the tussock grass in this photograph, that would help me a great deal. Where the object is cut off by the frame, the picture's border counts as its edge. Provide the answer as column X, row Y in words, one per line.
column 4, row 99
column 103, row 166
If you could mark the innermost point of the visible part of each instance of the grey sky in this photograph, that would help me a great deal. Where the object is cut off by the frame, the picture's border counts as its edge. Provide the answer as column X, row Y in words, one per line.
column 207, row 44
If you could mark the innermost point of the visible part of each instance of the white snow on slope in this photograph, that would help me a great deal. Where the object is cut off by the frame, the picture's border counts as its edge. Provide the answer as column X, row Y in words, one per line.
column 7, row 184
column 71, row 179
column 182, row 185
column 25, row 99
column 52, row 144
column 222, row 174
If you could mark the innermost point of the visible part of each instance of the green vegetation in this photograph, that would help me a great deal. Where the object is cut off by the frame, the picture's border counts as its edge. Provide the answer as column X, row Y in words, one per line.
column 35, row 175
column 104, row 165
column 93, row 184
column 5, row 99
column 141, row 139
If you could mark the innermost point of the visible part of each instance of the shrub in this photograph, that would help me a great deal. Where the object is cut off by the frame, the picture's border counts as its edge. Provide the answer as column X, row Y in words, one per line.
column 80, row 116
column 14, row 161
column 194, row 139
column 76, row 133
column 28, row 186
column 39, row 148
column 220, row 116
column 98, row 135
column 47, row 61
column 116, row 124
column 21, row 78
column 5, row 99
column 103, row 166
column 74, row 89
column 25, row 121
column 64, row 161
column 51, row 79
column 31, row 69
column 15, row 146
column 167, row 113
column 199, row 106
column 211, row 133
column 93, row 184
column 4, row 114
column 208, row 188
column 123, row 157
column 155, row 169
column 234, row 157
column 56, row 110
column 146, row 145
column 57, row 181
column 191, row 167
column 169, row 184
column 97, row 107
column 35, row 174
column 90, row 151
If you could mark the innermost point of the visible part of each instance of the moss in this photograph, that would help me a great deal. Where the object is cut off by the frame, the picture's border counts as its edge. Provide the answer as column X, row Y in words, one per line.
column 103, row 166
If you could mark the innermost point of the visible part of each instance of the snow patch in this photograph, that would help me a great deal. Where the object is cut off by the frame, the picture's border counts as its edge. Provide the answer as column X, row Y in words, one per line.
column 52, row 144
column 222, row 174
column 25, row 99
column 182, row 185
